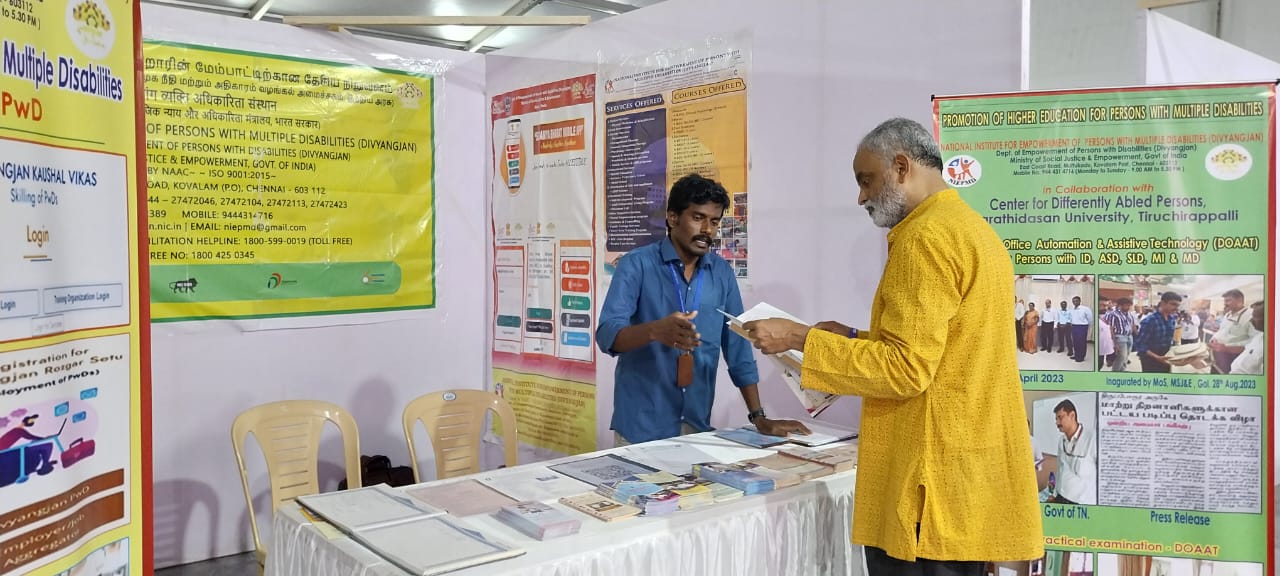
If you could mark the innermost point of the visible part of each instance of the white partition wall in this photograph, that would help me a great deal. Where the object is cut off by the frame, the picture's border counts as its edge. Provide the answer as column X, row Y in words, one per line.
column 205, row 373
column 823, row 72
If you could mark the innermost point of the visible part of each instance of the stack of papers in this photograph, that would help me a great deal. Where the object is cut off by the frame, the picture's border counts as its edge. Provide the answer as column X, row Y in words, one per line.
column 736, row 476
column 837, row 460
column 538, row 520
column 781, row 479
column 526, row 484
column 790, row 361
column 650, row 498
column 783, row 464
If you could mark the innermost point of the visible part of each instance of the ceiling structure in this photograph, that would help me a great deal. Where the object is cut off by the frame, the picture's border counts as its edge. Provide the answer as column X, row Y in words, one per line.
column 472, row 38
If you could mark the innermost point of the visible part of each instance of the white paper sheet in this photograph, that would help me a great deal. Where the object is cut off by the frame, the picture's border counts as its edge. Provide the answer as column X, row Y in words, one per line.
column 540, row 484
column 813, row 402
column 674, row 458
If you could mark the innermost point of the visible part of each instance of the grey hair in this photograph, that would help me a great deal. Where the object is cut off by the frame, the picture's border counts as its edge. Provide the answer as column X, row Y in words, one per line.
column 903, row 136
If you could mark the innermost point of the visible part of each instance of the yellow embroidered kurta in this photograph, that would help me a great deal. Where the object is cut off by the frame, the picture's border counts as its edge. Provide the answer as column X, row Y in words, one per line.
column 944, row 439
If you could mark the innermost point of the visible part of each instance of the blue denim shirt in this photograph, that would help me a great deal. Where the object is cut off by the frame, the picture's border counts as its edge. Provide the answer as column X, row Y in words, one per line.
column 647, row 403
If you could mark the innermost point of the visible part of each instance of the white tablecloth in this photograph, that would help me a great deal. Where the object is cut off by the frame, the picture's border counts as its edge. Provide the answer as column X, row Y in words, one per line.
column 798, row 530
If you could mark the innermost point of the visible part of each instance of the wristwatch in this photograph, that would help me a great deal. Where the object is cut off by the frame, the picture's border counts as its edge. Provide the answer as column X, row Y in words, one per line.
column 751, row 416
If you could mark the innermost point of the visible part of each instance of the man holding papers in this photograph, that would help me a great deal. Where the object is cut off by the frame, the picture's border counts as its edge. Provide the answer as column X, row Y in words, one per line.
column 943, row 480
column 660, row 319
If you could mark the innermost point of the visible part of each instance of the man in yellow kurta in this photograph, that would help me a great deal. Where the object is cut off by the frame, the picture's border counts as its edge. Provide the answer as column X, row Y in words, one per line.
column 944, row 482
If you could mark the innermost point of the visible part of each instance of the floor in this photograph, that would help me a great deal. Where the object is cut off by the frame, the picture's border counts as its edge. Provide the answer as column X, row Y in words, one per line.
column 237, row 565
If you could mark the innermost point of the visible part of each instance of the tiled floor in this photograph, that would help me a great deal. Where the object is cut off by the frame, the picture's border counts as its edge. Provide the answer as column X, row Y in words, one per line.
column 238, row 565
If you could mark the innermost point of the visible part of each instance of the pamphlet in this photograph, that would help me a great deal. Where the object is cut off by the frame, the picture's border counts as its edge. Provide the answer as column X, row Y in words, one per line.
column 814, row 402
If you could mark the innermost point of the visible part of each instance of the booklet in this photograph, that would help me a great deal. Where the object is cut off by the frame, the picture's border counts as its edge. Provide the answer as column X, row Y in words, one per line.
column 600, row 507
column 533, row 484
column 814, row 402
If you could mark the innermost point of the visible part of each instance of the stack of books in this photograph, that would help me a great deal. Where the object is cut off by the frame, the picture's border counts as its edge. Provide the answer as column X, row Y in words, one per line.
column 538, row 520
column 599, row 507
column 692, row 492
column 838, row 460
column 650, row 498
column 803, row 469
column 734, row 475
column 781, row 479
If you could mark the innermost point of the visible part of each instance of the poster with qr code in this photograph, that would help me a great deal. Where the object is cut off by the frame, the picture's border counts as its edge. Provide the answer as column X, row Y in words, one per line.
column 601, row 469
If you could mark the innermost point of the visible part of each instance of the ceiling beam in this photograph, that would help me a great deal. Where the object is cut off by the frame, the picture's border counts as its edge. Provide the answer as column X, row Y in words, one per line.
column 605, row 6
column 437, row 20
column 520, row 8
column 260, row 8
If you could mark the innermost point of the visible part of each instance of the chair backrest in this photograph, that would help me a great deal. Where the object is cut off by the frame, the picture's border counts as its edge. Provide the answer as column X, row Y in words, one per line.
column 454, row 420
column 289, row 434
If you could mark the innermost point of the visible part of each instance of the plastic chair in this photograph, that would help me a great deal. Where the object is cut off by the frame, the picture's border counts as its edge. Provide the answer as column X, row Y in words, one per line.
column 289, row 434
column 454, row 420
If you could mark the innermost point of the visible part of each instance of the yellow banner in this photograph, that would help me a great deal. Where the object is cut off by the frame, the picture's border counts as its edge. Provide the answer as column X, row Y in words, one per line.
column 552, row 413
column 73, row 364
column 281, row 186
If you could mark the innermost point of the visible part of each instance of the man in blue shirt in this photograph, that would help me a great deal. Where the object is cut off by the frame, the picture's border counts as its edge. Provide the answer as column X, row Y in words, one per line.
column 1155, row 334
column 660, row 320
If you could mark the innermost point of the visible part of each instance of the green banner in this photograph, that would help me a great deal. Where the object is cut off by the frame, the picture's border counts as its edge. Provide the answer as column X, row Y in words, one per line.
column 1139, row 222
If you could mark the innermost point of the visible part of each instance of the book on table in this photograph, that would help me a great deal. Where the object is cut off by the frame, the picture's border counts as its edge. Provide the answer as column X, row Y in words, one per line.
column 803, row 469
column 814, row 402
column 600, row 507
column 652, row 499
column 538, row 520
column 734, row 475
column 838, row 460
column 525, row 483
column 693, row 493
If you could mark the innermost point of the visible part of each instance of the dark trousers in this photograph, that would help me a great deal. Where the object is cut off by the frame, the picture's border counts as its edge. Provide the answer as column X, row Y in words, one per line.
column 1064, row 338
column 1046, row 336
column 1017, row 330
column 1150, row 364
column 881, row 564
column 1080, row 338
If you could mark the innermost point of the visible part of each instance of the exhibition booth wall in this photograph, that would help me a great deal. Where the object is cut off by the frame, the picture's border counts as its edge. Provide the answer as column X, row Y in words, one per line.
column 817, row 76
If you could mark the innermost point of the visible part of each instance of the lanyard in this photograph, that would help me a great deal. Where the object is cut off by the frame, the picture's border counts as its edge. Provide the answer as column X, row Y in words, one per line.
column 697, row 289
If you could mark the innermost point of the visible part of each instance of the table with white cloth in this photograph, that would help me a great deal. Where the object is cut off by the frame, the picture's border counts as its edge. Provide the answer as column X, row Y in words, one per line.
column 797, row 530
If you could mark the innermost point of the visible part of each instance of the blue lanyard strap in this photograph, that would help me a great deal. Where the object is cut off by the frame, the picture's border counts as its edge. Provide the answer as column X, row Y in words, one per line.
column 697, row 288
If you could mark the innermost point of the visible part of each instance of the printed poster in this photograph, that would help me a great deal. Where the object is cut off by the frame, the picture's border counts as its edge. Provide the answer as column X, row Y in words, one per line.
column 666, row 115
column 74, row 360
column 282, row 186
column 544, row 261
column 1141, row 227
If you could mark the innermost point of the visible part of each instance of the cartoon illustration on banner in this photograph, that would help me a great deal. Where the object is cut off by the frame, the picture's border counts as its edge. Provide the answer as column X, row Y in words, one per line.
column 1141, row 227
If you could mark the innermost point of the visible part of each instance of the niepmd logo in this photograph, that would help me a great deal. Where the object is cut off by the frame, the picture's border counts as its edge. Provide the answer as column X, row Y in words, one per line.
column 962, row 171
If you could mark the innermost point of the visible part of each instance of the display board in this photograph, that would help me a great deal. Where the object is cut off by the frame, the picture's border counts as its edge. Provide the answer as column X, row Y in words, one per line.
column 544, row 261
column 74, row 352
column 1151, row 422
column 281, row 186
column 668, row 114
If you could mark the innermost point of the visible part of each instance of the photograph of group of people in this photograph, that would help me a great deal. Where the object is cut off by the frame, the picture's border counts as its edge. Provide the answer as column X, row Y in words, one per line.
column 1182, row 324
column 1053, row 318
column 1187, row 324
